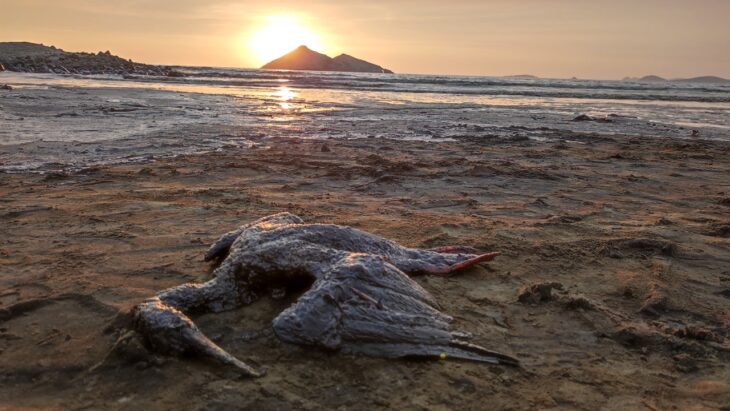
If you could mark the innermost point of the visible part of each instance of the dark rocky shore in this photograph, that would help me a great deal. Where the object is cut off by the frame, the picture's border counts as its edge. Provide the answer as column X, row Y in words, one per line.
column 37, row 58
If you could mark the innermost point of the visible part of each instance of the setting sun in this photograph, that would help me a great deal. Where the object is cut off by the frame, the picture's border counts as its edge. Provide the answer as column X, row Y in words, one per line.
column 280, row 35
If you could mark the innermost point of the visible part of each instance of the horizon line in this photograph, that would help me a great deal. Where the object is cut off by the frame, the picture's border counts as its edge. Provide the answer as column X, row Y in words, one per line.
column 575, row 77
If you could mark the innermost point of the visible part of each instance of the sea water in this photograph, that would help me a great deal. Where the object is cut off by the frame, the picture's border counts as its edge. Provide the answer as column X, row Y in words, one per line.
column 74, row 121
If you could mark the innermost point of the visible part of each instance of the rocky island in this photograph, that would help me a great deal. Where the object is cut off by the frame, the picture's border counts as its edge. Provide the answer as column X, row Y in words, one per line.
column 698, row 80
column 304, row 58
column 38, row 58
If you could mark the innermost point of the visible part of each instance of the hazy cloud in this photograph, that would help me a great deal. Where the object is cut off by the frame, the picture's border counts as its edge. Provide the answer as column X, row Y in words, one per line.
column 603, row 39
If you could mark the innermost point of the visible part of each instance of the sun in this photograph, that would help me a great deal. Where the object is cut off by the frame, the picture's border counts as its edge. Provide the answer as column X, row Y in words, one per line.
column 280, row 35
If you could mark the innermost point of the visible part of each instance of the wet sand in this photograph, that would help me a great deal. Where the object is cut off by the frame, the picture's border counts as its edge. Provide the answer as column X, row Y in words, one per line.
column 613, row 287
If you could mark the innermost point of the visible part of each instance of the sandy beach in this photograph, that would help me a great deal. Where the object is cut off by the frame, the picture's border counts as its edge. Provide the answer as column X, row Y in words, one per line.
column 612, row 288
column 312, row 205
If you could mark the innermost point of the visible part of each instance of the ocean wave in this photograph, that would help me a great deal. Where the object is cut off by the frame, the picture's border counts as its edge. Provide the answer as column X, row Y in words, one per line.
column 581, row 89
column 454, row 81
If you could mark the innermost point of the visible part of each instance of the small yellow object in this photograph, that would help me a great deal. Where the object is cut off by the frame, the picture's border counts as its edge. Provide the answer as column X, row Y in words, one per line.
column 442, row 356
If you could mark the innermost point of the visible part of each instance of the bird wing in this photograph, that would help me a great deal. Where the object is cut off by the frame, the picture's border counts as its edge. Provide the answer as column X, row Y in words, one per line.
column 366, row 305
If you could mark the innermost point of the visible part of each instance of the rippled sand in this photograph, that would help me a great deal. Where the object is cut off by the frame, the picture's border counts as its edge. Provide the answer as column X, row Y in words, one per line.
column 612, row 288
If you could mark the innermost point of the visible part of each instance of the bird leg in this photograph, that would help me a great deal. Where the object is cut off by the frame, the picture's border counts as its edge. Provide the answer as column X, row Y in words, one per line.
column 439, row 263
column 454, row 249
column 468, row 263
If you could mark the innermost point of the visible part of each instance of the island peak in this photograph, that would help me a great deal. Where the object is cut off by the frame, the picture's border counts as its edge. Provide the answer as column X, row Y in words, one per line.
column 304, row 58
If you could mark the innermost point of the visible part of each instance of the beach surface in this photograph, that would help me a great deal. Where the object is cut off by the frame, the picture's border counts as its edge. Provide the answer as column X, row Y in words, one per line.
column 613, row 287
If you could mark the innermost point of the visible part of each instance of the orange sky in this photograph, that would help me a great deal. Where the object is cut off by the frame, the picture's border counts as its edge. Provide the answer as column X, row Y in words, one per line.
column 550, row 38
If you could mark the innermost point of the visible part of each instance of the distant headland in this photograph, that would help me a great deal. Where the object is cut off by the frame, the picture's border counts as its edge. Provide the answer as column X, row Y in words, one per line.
column 303, row 58
column 701, row 79
column 38, row 58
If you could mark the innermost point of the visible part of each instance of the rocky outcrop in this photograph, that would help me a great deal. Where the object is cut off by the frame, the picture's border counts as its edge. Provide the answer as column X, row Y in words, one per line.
column 303, row 58
column 345, row 62
column 697, row 80
column 703, row 80
column 37, row 58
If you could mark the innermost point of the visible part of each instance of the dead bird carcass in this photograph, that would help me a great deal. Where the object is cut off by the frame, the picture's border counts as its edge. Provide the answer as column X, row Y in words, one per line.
column 360, row 300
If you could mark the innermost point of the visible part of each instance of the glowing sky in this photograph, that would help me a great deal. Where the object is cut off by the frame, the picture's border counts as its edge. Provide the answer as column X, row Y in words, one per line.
column 550, row 38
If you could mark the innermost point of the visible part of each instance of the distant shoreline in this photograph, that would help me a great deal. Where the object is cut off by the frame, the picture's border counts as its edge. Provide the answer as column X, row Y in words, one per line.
column 695, row 80
column 26, row 57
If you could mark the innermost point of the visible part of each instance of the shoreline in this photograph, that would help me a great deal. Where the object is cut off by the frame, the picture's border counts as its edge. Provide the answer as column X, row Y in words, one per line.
column 81, row 121
column 630, row 236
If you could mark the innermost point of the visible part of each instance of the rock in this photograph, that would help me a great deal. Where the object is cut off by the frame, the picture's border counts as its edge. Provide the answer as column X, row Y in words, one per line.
column 685, row 363
column 634, row 337
column 55, row 175
column 2, row 68
column 579, row 302
column 664, row 221
column 634, row 247
column 719, row 230
column 480, row 295
column 146, row 171
column 696, row 332
column 586, row 117
column 538, row 292
column 174, row 73
column 325, row 148
column 6, row 87
column 303, row 58
column 37, row 58
column 583, row 117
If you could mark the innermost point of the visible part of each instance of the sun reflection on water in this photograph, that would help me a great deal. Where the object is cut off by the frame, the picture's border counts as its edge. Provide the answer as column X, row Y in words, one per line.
column 284, row 94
